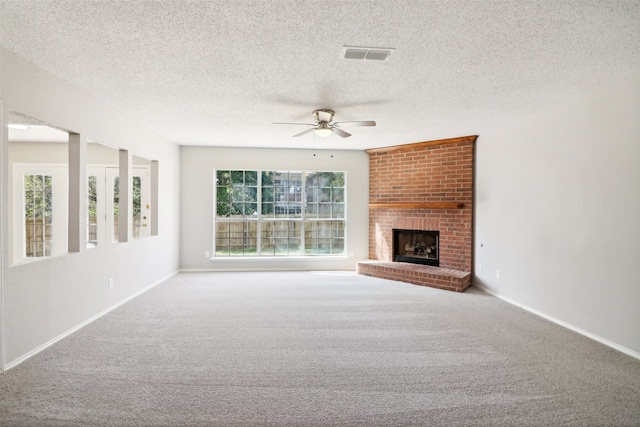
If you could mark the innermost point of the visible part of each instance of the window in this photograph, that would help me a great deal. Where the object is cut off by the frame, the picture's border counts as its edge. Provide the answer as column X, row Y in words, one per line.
column 279, row 213
column 92, row 211
column 140, row 208
column 39, row 211
column 38, row 215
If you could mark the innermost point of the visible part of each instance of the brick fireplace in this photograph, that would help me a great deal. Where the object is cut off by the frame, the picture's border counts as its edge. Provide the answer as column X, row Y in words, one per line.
column 422, row 186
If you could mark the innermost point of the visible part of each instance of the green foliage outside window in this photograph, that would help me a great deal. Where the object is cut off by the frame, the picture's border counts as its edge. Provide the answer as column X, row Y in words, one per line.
column 38, row 211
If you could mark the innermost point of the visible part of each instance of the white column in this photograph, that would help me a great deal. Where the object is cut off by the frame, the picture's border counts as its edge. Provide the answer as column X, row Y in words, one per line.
column 77, row 193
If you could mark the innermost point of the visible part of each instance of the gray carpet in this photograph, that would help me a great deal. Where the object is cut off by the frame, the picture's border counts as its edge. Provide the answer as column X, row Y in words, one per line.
column 320, row 349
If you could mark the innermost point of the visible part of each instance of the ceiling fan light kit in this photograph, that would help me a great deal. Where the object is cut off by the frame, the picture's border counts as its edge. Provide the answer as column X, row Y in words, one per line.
column 324, row 125
column 323, row 130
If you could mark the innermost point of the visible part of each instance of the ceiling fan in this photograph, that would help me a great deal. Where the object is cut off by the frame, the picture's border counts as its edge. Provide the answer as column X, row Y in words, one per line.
column 324, row 126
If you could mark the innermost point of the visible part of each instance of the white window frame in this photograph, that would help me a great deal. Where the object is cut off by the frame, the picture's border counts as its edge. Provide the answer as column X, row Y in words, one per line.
column 60, row 203
column 259, row 219
column 144, row 173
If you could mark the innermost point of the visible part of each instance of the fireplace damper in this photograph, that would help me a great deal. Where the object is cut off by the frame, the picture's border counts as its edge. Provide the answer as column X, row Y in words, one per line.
column 416, row 246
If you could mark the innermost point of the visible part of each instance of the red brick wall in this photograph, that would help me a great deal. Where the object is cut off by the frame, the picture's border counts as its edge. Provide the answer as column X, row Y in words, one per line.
column 422, row 172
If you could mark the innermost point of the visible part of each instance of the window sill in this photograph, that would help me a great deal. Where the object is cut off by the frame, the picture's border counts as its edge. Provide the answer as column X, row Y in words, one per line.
column 277, row 258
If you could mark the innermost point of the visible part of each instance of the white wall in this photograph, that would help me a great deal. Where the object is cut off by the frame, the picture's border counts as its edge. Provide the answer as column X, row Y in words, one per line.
column 558, row 213
column 45, row 299
column 197, row 187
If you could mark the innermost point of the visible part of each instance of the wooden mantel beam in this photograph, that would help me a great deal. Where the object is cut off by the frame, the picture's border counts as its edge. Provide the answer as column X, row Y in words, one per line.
column 417, row 205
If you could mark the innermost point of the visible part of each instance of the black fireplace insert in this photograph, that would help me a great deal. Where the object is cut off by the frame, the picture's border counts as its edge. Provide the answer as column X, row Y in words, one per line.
column 416, row 246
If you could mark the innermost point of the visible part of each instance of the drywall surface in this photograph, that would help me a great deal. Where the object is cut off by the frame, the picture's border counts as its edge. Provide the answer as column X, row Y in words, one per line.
column 45, row 299
column 197, row 189
column 557, row 213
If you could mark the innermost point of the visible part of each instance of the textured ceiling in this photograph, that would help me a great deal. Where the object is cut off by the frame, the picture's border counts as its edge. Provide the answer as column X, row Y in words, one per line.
column 220, row 72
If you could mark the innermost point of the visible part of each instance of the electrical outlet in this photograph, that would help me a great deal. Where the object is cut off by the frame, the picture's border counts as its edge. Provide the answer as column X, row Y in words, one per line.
column 497, row 274
column 110, row 283
column 351, row 254
column 480, row 268
column 207, row 254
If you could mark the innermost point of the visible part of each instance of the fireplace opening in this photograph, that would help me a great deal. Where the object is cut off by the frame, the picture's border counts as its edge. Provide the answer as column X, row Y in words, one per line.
column 416, row 246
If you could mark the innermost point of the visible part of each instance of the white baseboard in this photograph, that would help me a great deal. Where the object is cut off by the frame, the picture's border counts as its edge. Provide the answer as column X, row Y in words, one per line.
column 65, row 334
column 562, row 323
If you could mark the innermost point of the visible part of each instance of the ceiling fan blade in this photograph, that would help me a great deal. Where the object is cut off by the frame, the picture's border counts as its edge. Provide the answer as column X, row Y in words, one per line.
column 359, row 123
column 303, row 132
column 305, row 124
column 340, row 132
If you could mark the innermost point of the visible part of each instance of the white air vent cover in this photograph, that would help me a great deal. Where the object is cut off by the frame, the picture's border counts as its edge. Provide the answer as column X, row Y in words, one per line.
column 366, row 53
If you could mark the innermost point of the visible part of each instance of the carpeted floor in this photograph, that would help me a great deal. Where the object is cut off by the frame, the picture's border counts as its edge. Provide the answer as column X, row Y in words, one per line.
column 320, row 349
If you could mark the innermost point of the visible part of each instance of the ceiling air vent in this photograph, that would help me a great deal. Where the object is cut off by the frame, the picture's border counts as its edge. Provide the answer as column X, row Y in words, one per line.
column 366, row 53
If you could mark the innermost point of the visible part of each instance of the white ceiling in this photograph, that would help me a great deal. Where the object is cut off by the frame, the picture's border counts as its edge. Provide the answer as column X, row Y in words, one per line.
column 220, row 72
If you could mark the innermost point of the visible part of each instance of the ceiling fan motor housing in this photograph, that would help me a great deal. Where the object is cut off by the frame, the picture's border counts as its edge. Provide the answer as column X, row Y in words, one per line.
column 325, row 116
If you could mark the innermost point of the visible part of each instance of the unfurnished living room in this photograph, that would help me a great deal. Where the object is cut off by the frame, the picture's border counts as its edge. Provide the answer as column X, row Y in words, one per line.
column 320, row 213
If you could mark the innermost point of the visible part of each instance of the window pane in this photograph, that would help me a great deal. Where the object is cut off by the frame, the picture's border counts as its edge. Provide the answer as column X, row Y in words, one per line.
column 250, row 194
column 116, row 209
column 324, row 195
column 267, row 210
column 267, row 236
column 338, row 211
column 223, row 178
column 136, row 207
column 324, row 211
column 268, row 194
column 222, row 238
column 338, row 195
column 236, row 238
column 337, row 179
column 250, row 209
column 251, row 178
column 237, row 178
column 92, row 211
column 38, row 215
column 281, row 238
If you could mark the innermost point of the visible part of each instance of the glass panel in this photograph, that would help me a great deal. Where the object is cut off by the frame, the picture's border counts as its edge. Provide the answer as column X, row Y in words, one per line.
column 140, row 207
column 223, row 178
column 324, row 195
column 295, row 187
column 268, row 194
column 116, row 208
column 338, row 211
column 324, row 211
column 92, row 211
column 251, row 178
column 250, row 194
column 38, row 215
column 324, row 246
column 251, row 209
column 338, row 195
column 250, row 238
column 267, row 210
column 267, row 236
column 237, row 178
column 136, row 207
column 222, row 238
column 236, row 238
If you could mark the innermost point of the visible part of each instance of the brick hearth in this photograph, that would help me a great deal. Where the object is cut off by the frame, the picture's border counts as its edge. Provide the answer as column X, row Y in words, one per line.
column 422, row 186
column 423, row 275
